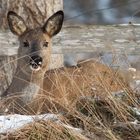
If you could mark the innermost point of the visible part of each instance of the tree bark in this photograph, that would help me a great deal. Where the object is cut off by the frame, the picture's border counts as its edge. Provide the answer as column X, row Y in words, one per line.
column 35, row 12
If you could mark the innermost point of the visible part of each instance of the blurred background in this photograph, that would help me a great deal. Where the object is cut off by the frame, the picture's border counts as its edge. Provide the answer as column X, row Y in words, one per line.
column 102, row 11
column 76, row 11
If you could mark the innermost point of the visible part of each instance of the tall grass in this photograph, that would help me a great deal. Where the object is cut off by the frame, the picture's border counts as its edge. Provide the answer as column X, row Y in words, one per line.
column 102, row 108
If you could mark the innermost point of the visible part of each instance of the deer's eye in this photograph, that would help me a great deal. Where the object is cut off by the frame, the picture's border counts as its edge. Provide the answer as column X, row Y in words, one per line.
column 26, row 44
column 45, row 44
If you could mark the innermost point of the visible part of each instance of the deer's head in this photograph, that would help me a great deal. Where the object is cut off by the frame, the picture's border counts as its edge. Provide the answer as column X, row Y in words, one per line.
column 34, row 50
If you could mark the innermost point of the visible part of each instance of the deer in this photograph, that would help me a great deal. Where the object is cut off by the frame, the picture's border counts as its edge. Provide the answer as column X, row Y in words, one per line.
column 36, row 88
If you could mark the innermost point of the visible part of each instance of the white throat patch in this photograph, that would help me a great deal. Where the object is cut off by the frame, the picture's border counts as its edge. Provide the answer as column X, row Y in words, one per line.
column 30, row 92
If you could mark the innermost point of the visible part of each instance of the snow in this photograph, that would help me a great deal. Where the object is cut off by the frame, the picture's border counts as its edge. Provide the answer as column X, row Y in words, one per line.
column 9, row 123
column 135, row 24
column 121, row 40
column 136, row 111
column 137, row 82
column 135, row 122
column 132, row 69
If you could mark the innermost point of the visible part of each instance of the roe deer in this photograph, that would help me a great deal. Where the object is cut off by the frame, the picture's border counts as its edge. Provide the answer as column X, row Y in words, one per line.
column 34, row 86
column 33, row 55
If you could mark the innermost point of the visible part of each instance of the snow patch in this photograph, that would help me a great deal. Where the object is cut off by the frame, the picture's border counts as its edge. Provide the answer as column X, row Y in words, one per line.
column 9, row 123
column 121, row 40
column 132, row 69
column 135, row 24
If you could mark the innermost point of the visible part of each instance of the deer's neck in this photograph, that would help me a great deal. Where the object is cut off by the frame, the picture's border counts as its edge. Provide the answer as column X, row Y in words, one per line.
column 26, row 85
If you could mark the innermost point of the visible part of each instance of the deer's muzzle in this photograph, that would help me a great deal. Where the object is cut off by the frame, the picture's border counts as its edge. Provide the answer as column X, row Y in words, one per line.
column 35, row 63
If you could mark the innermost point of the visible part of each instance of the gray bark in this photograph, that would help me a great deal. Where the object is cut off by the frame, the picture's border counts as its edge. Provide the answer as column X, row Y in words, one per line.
column 35, row 12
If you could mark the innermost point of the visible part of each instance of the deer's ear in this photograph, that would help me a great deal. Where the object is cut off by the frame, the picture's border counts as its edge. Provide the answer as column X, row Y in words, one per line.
column 16, row 23
column 54, row 24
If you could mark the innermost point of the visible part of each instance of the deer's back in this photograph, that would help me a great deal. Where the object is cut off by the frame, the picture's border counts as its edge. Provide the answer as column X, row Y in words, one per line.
column 89, row 78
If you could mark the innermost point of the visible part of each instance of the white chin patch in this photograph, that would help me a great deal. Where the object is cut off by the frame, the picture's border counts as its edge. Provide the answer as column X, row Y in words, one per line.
column 35, row 68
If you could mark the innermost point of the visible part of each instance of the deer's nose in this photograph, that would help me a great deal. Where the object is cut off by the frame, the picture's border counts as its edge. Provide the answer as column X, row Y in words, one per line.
column 36, row 60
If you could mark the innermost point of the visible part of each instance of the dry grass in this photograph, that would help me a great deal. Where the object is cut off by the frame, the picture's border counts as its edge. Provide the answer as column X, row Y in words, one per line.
column 44, row 131
column 100, row 111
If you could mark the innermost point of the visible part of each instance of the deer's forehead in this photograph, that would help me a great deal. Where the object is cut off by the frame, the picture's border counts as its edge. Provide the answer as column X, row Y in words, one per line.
column 35, row 35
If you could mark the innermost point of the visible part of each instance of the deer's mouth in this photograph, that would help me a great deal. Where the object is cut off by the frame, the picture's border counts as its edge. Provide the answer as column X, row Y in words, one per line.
column 35, row 67
column 35, row 63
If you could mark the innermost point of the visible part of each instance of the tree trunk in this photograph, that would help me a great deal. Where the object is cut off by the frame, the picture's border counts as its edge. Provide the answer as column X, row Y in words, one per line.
column 35, row 12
